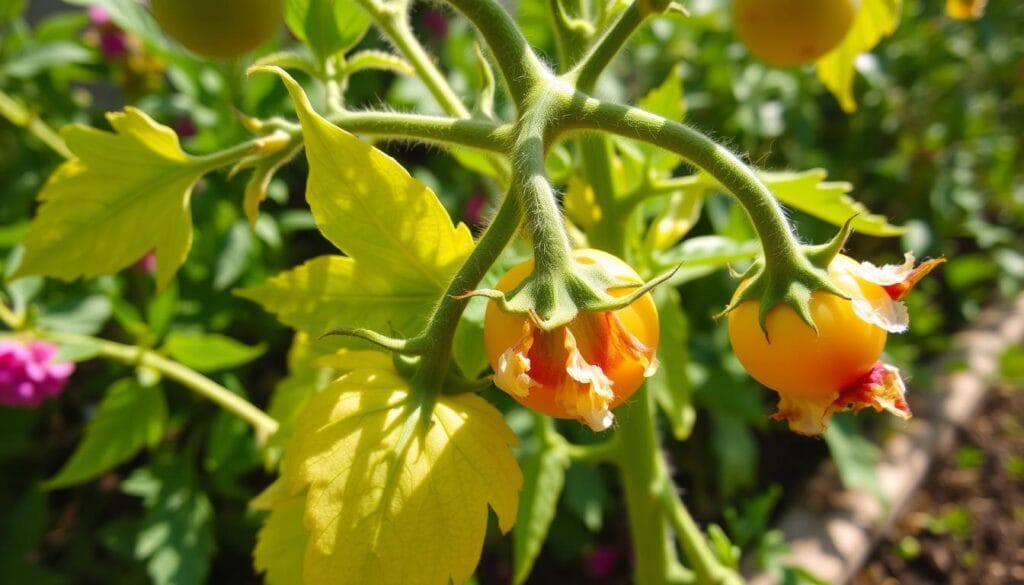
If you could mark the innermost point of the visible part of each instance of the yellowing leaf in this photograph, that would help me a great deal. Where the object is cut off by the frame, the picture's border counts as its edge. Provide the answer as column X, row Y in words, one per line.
column 281, row 543
column 828, row 200
column 397, row 487
column 401, row 245
column 329, row 292
column 875, row 19
column 126, row 193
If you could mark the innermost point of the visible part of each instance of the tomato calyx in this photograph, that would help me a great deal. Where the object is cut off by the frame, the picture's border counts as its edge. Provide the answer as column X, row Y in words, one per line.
column 791, row 280
column 880, row 388
column 554, row 298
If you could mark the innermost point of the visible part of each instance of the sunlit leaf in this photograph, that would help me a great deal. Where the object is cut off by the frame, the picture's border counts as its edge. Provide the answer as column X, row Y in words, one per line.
column 809, row 192
column 281, row 543
column 129, row 417
column 699, row 256
column 386, row 473
column 126, row 193
column 544, row 476
column 401, row 246
column 875, row 20
column 209, row 352
column 678, row 216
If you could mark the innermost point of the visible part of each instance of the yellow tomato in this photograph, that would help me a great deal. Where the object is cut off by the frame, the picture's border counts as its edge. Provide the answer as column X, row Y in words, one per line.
column 798, row 362
column 621, row 344
column 222, row 29
column 789, row 33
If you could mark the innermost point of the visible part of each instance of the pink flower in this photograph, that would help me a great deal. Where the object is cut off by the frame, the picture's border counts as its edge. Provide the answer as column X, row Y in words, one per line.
column 601, row 562
column 28, row 375
column 98, row 15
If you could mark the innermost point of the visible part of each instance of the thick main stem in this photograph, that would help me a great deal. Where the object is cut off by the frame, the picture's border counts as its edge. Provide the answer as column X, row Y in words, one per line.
column 643, row 472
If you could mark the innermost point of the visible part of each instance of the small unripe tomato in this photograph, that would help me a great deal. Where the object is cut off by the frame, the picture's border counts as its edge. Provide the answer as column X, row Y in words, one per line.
column 221, row 29
column 580, row 370
column 790, row 33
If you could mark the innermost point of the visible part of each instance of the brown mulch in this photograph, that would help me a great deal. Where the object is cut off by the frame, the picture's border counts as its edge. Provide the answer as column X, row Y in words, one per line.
column 966, row 525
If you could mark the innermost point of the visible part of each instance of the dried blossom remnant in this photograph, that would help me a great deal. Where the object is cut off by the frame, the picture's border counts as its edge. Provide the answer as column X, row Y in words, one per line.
column 571, row 365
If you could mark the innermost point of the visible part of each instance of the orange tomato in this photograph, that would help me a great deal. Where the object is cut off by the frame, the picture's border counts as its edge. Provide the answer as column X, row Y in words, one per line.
column 790, row 33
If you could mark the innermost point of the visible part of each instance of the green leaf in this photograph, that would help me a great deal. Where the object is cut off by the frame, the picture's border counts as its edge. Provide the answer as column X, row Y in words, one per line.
column 670, row 384
column 327, row 26
column 735, row 449
column 875, row 20
column 402, row 249
column 703, row 255
column 854, row 455
column 209, row 352
column 44, row 56
column 544, row 476
column 129, row 417
column 176, row 538
column 667, row 101
column 234, row 255
column 397, row 487
column 827, row 200
column 127, row 193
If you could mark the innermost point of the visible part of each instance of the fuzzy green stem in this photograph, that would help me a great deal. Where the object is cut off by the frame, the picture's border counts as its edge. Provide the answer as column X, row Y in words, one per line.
column 134, row 355
column 780, row 246
column 572, row 32
column 440, row 330
column 476, row 133
column 519, row 65
column 704, row 562
column 551, row 245
column 395, row 24
column 590, row 66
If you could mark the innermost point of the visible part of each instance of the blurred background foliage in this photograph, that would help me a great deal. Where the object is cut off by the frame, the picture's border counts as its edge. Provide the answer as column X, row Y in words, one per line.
column 935, row 145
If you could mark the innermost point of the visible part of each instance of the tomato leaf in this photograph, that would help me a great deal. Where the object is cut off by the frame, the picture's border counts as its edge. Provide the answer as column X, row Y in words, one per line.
column 327, row 26
column 130, row 416
column 827, row 200
column 401, row 246
column 209, row 352
column 875, row 19
column 176, row 538
column 126, row 193
column 670, row 384
column 544, row 476
column 281, row 543
column 386, row 473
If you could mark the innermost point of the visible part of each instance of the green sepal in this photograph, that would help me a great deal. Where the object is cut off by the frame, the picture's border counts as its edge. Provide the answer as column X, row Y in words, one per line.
column 791, row 281
column 553, row 299
column 414, row 346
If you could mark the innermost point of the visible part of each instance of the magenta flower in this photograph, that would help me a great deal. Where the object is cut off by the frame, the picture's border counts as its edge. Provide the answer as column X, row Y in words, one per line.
column 28, row 375
column 147, row 263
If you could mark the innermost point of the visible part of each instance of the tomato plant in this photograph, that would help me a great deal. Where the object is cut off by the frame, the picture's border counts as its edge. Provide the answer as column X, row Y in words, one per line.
column 582, row 369
column 324, row 290
column 790, row 33
column 220, row 29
